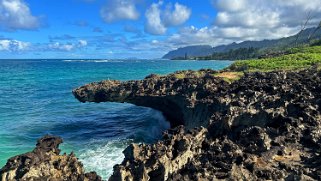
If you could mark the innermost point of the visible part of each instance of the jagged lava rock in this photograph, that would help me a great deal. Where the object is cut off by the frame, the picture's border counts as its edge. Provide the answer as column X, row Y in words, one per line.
column 45, row 163
column 161, row 160
column 178, row 96
column 265, row 126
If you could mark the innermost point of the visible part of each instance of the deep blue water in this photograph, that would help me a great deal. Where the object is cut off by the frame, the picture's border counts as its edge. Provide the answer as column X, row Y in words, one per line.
column 36, row 99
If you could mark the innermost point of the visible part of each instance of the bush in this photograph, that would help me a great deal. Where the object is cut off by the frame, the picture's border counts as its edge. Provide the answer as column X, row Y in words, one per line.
column 301, row 58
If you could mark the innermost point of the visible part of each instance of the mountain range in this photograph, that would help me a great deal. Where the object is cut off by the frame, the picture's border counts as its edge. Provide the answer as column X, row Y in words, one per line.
column 206, row 50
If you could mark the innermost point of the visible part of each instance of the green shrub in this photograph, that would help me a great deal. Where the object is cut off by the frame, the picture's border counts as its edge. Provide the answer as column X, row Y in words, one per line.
column 301, row 58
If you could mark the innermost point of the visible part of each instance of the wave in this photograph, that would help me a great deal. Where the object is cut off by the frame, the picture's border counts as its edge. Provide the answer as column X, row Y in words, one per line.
column 160, row 125
column 101, row 155
column 73, row 60
column 96, row 61
column 102, row 159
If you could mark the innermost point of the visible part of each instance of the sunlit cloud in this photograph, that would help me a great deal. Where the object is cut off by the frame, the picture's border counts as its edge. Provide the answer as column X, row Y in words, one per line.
column 15, row 15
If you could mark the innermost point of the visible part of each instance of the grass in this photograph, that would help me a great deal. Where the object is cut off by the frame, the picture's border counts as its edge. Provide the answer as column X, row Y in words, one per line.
column 180, row 75
column 188, row 74
column 226, row 76
column 300, row 58
column 229, row 76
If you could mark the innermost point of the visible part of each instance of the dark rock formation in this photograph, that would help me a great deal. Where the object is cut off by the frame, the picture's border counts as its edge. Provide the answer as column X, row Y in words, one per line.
column 182, row 97
column 265, row 126
column 45, row 163
column 161, row 160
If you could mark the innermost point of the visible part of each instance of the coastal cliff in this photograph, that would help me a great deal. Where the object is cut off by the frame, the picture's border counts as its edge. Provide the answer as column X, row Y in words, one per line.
column 183, row 97
column 266, row 125
column 260, row 126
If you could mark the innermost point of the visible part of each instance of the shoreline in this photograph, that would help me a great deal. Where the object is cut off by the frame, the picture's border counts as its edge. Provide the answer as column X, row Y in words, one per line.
column 262, row 126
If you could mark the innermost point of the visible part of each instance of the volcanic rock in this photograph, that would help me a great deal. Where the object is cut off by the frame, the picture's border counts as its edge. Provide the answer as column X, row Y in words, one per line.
column 45, row 163
column 265, row 126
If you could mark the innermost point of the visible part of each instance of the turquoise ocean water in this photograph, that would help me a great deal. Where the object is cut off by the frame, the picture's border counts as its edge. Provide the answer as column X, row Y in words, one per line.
column 36, row 99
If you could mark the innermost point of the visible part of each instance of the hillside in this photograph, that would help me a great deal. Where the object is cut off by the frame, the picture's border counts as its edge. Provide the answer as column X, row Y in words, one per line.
column 206, row 50
column 199, row 50
column 298, row 58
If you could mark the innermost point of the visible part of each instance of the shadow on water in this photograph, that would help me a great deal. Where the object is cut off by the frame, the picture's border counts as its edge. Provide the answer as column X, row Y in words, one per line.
column 140, row 124
column 99, row 138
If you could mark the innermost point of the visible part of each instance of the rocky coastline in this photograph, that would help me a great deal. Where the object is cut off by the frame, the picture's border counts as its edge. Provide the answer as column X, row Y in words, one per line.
column 46, row 163
column 264, row 126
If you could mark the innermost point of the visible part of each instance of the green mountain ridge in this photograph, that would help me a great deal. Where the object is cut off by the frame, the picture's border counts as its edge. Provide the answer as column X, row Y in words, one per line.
column 206, row 50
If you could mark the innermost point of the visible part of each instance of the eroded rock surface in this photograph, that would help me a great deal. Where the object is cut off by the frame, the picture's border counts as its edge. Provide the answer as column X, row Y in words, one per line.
column 161, row 160
column 45, row 163
column 265, row 126
column 180, row 96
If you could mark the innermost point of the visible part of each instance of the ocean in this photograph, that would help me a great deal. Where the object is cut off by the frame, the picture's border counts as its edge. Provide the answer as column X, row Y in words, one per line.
column 36, row 99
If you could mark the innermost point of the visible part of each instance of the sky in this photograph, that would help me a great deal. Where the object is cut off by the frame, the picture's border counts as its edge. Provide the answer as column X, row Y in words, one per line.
column 106, row 29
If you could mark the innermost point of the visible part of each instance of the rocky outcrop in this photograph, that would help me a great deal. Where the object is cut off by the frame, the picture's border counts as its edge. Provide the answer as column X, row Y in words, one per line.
column 161, row 160
column 265, row 126
column 45, row 163
column 180, row 96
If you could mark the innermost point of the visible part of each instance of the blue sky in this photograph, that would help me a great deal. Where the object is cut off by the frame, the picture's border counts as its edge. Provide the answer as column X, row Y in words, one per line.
column 141, row 28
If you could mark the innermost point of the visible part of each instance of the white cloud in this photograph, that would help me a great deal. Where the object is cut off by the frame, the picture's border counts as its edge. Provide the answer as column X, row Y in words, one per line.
column 155, row 41
column 231, row 5
column 115, row 10
column 15, row 14
column 178, row 16
column 158, row 20
column 265, row 14
column 154, row 23
column 240, row 20
column 195, row 36
column 5, row 44
column 246, row 19
column 61, row 47
column 82, row 43
column 57, row 46
column 13, row 45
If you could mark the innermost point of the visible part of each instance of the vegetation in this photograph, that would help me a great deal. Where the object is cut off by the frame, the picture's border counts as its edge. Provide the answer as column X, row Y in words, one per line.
column 235, row 54
column 188, row 74
column 247, row 49
column 229, row 76
column 299, row 58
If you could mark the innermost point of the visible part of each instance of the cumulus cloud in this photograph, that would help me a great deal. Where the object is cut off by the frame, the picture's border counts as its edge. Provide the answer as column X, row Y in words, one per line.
column 176, row 17
column 240, row 20
column 82, row 43
column 284, row 17
column 195, row 36
column 154, row 24
column 61, row 46
column 15, row 14
column 115, row 10
column 158, row 19
column 13, row 45
column 57, row 46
